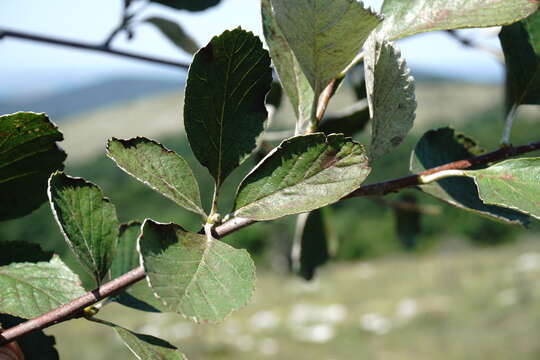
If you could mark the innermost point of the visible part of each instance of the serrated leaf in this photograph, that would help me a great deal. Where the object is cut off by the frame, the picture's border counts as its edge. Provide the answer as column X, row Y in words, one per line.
column 224, row 110
column 438, row 147
column 294, row 82
column 521, row 46
column 139, row 295
column 28, row 155
column 161, row 169
column 32, row 289
column 513, row 184
column 20, row 251
column 203, row 280
column 302, row 174
column 324, row 36
column 348, row 122
column 174, row 33
column 405, row 18
column 390, row 93
column 87, row 220
column 190, row 5
column 35, row 345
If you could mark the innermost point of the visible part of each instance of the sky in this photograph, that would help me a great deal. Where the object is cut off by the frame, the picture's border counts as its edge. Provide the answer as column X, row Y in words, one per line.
column 32, row 69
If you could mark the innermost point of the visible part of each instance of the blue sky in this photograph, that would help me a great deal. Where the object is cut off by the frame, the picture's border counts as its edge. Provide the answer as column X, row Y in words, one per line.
column 28, row 68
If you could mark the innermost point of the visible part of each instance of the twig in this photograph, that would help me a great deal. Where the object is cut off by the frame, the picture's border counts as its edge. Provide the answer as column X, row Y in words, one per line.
column 77, row 306
column 474, row 45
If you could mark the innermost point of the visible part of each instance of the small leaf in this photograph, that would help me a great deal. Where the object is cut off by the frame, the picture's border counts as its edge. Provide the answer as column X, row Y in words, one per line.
column 190, row 5
column 139, row 295
column 438, row 147
column 87, row 220
column 200, row 279
column 28, row 155
column 390, row 92
column 406, row 18
column 161, row 169
column 20, row 251
column 32, row 289
column 275, row 95
column 174, row 33
column 302, row 174
column 513, row 184
column 357, row 81
column 224, row 110
column 349, row 122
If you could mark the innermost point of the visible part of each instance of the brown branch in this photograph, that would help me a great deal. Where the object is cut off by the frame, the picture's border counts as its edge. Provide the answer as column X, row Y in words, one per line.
column 77, row 306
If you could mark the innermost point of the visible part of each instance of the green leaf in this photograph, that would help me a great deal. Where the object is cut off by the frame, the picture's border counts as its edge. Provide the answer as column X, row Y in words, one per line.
column 190, row 5
column 302, row 174
column 350, row 121
column 139, row 295
column 324, row 36
column 174, row 33
column 35, row 345
column 521, row 46
column 438, row 147
column 28, row 155
column 294, row 82
column 32, row 289
column 21, row 251
column 513, row 184
column 405, row 18
column 204, row 280
column 408, row 221
column 275, row 95
column 87, row 220
column 357, row 81
column 390, row 92
column 224, row 110
column 161, row 169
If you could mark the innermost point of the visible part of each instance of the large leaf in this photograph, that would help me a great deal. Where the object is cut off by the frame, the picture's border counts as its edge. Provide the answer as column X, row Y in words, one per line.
column 146, row 347
column 87, row 220
column 139, row 295
column 28, row 155
column 20, row 251
column 302, row 174
column 513, row 184
column 190, row 5
column 163, row 170
column 390, row 92
column 204, row 280
column 324, row 36
column 521, row 46
column 438, row 147
column 32, row 289
column 294, row 81
column 405, row 18
column 174, row 33
column 224, row 110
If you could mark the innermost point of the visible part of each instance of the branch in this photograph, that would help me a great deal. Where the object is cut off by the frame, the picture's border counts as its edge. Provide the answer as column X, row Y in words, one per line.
column 76, row 307
column 88, row 46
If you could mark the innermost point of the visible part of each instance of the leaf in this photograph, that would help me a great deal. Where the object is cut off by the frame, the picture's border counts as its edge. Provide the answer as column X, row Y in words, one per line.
column 349, row 122
column 28, row 155
column 408, row 221
column 275, row 95
column 174, row 33
column 324, row 36
column 139, row 295
column 512, row 184
column 521, row 46
column 200, row 279
column 357, row 81
column 438, row 147
column 190, row 5
column 224, row 110
column 302, row 174
column 35, row 345
column 294, row 82
column 21, row 251
column 390, row 93
column 406, row 18
column 161, row 169
column 87, row 220
column 32, row 289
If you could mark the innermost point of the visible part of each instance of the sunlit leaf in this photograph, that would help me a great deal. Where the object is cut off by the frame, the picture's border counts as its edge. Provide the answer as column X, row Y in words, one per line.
column 174, row 33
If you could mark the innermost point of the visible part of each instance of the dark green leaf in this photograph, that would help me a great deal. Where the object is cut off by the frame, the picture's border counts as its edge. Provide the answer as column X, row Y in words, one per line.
column 357, row 81
column 204, row 280
column 32, row 289
column 190, row 5
column 28, row 155
column 87, row 220
column 20, row 251
column 275, row 95
column 224, row 110
column 348, row 122
column 174, row 33
column 146, row 347
column 161, row 169
column 302, row 174
column 438, row 147
column 408, row 220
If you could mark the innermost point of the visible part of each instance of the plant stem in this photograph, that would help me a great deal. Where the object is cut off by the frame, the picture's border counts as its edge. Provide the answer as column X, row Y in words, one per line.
column 509, row 122
column 426, row 179
column 75, row 307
